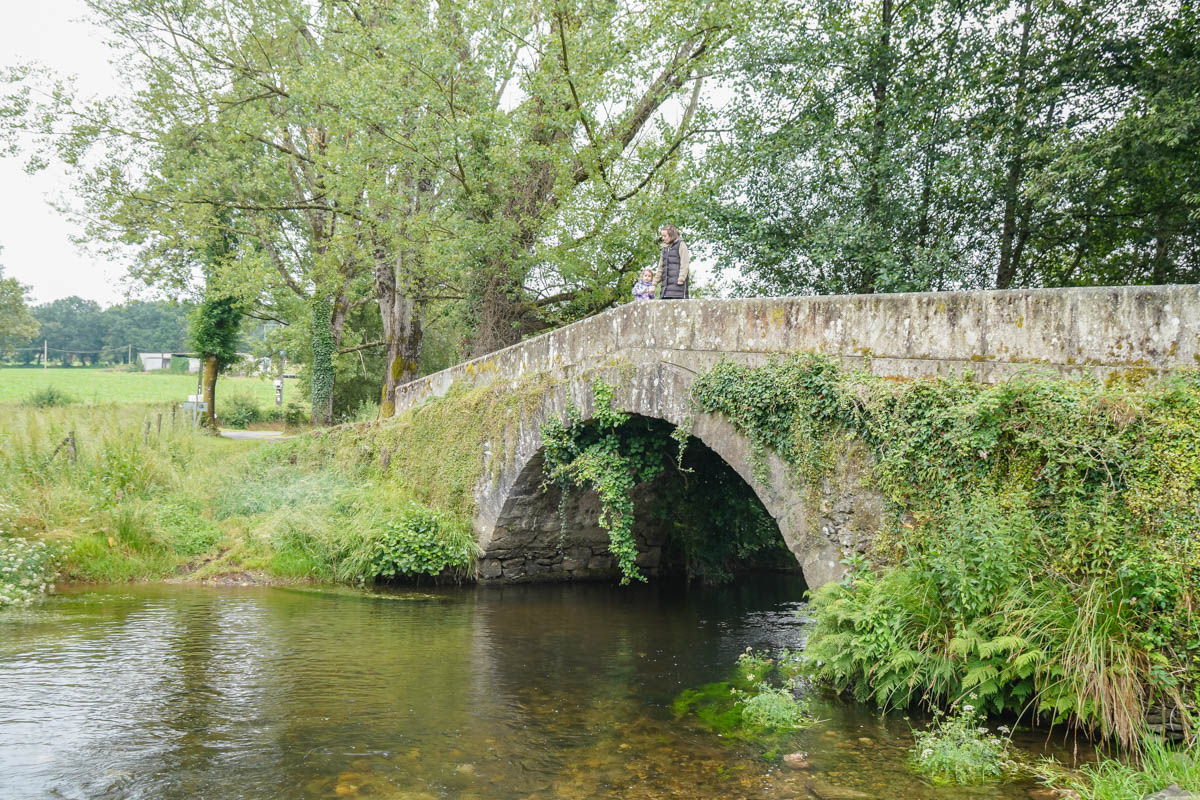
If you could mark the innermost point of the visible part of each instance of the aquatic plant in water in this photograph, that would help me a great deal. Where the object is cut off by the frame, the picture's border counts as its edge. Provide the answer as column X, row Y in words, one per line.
column 758, row 704
column 957, row 749
column 26, row 570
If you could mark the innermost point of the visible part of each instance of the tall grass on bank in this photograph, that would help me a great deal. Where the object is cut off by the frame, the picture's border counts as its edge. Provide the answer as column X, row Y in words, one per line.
column 1042, row 543
column 125, row 498
column 1159, row 766
column 120, row 489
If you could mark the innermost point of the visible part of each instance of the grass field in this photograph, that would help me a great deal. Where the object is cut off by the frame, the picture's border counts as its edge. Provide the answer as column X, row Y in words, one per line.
column 99, row 386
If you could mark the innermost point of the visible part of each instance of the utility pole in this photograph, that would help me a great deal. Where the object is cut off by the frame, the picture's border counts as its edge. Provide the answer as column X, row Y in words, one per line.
column 129, row 356
column 44, row 349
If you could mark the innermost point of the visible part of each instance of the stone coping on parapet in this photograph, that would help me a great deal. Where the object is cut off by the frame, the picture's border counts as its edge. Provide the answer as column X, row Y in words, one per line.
column 1071, row 331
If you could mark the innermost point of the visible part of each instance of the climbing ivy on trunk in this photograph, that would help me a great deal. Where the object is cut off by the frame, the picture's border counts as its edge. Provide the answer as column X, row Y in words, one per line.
column 321, row 367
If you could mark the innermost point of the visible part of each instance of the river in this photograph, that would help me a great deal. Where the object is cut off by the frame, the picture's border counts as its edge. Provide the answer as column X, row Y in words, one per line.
column 530, row 692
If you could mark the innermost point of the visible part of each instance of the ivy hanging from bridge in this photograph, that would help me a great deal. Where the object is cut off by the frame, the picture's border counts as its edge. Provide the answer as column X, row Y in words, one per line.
column 715, row 520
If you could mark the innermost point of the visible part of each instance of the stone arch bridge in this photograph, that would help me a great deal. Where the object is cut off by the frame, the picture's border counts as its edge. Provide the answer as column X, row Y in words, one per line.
column 652, row 352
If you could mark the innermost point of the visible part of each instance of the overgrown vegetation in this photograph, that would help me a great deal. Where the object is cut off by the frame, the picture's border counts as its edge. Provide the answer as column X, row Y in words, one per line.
column 957, row 749
column 610, row 458
column 124, row 499
column 1158, row 767
column 1041, row 549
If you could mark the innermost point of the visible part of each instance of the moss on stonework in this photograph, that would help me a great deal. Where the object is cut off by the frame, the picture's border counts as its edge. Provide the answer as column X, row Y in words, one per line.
column 436, row 450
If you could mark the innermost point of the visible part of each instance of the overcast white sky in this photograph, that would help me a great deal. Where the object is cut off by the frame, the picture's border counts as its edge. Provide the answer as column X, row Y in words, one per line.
column 37, row 248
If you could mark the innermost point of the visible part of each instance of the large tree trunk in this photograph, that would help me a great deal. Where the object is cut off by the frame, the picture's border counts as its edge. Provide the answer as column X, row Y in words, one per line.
column 880, row 95
column 208, row 391
column 497, row 315
column 1006, row 270
column 1160, row 265
column 401, row 335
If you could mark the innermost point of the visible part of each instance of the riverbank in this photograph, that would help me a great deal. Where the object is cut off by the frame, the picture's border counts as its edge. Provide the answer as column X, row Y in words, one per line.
column 126, row 493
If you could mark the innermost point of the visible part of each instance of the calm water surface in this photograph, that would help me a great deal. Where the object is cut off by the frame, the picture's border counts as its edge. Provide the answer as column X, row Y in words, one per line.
column 532, row 692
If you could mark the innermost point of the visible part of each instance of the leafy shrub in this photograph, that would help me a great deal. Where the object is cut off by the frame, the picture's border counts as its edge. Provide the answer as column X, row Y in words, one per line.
column 956, row 749
column 49, row 397
column 421, row 541
column 26, row 570
column 754, row 705
column 241, row 410
column 773, row 708
column 295, row 415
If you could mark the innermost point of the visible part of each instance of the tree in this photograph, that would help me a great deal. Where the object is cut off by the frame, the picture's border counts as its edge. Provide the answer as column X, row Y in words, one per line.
column 72, row 327
column 17, row 325
column 216, row 326
column 509, row 156
column 889, row 145
column 155, row 326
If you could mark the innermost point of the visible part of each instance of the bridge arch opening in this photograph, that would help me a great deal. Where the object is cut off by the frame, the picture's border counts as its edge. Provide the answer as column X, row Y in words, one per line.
column 698, row 518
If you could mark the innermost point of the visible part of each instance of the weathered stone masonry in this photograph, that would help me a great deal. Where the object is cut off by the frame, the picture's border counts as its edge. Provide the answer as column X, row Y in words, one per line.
column 652, row 352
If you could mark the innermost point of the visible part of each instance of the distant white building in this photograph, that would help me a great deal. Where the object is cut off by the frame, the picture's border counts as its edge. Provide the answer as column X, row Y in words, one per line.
column 153, row 361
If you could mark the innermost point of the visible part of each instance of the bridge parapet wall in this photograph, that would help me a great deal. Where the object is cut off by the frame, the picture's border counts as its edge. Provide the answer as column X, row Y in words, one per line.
column 994, row 333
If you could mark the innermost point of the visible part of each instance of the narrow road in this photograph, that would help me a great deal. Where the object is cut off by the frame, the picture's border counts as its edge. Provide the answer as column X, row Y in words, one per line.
column 228, row 434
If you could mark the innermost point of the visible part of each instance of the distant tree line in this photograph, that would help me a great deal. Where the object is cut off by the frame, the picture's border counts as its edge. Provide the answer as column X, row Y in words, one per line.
column 78, row 331
column 397, row 186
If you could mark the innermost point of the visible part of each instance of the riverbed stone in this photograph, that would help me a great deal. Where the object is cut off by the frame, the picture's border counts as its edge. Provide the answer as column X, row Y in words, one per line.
column 1172, row 792
column 824, row 790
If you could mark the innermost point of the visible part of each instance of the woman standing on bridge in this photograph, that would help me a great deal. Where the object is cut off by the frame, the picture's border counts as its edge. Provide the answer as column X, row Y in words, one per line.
column 673, row 264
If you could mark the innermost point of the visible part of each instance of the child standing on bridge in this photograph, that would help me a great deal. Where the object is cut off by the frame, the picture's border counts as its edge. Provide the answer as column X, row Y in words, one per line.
column 644, row 288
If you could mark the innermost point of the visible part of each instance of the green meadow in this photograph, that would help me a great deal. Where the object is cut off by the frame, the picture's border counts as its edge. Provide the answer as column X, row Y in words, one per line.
column 95, row 386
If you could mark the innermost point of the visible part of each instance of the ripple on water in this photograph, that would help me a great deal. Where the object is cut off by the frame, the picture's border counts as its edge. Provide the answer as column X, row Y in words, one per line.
column 527, row 692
